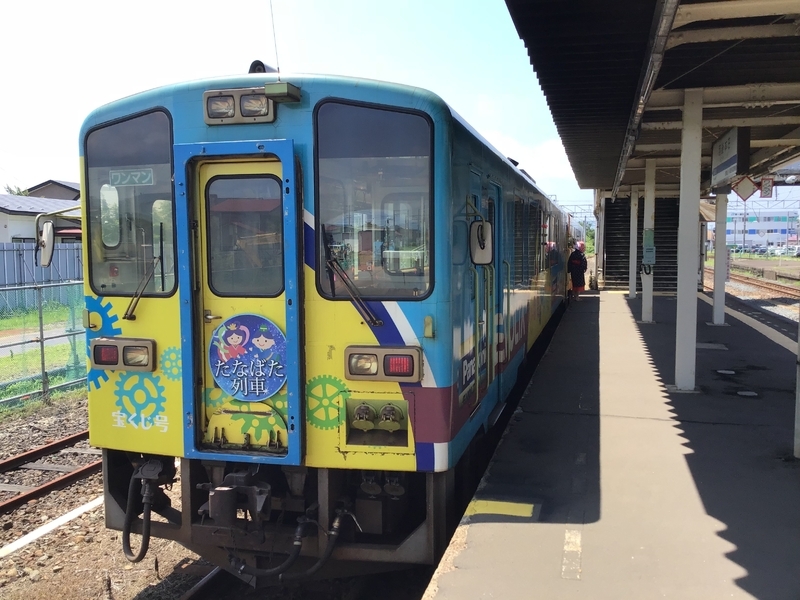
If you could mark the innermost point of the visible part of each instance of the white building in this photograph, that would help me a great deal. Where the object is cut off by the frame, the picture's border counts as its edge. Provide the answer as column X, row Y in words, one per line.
column 761, row 227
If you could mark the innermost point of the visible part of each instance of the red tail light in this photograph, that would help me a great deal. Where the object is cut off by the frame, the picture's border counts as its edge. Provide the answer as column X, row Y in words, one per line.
column 106, row 355
column 398, row 365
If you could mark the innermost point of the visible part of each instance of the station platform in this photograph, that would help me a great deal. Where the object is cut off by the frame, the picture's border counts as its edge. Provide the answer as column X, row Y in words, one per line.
column 608, row 486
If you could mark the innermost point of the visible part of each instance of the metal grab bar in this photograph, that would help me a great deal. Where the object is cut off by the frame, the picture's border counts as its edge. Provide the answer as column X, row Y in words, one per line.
column 490, row 317
column 508, row 307
column 475, row 337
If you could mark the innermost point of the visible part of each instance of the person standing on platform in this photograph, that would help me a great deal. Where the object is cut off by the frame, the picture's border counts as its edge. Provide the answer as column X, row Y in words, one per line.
column 577, row 268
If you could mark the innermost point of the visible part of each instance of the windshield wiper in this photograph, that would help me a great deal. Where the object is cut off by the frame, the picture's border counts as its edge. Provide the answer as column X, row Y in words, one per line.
column 361, row 306
column 335, row 267
column 129, row 316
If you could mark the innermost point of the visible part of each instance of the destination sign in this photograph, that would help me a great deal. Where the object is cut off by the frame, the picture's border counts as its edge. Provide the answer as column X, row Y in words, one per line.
column 125, row 177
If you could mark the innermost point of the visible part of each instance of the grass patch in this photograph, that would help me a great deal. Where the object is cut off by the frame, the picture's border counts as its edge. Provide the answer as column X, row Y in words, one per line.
column 22, row 371
column 22, row 363
column 59, row 400
column 53, row 315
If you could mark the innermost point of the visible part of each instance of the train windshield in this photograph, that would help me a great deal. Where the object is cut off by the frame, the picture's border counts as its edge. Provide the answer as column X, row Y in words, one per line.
column 130, row 206
column 374, row 202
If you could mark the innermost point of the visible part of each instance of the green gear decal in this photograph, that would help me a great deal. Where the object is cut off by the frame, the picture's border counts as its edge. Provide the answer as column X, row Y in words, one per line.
column 259, row 424
column 215, row 397
column 325, row 396
column 280, row 404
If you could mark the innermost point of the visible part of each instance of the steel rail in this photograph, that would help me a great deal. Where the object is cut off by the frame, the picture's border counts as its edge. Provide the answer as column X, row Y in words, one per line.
column 789, row 291
column 202, row 587
column 31, row 455
column 20, row 460
column 45, row 488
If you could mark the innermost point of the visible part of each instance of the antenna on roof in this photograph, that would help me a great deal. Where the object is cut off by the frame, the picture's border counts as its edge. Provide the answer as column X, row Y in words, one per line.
column 275, row 40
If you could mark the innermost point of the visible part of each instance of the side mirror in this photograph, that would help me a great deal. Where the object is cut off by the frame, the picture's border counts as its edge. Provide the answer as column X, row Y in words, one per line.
column 481, row 247
column 47, row 242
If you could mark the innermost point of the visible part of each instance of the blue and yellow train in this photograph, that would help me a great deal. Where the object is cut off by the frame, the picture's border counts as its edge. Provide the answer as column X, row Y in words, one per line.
column 306, row 297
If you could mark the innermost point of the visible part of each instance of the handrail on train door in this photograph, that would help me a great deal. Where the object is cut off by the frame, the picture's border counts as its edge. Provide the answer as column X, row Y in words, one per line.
column 475, row 336
column 490, row 316
column 508, row 310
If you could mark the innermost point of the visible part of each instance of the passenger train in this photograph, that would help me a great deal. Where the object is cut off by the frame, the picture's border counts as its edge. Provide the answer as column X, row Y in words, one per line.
column 306, row 298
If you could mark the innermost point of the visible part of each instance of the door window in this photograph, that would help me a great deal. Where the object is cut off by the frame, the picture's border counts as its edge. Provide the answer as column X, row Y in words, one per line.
column 245, row 236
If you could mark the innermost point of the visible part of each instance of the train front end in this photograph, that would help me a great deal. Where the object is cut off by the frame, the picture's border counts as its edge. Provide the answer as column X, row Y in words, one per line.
column 260, row 316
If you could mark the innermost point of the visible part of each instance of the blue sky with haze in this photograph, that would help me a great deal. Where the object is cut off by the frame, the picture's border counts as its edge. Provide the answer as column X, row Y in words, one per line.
column 60, row 63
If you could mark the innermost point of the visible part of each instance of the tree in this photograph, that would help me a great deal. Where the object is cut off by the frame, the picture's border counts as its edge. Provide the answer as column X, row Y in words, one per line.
column 16, row 191
column 589, row 232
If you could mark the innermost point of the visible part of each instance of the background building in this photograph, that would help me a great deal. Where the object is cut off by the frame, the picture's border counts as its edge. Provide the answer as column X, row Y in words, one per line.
column 750, row 227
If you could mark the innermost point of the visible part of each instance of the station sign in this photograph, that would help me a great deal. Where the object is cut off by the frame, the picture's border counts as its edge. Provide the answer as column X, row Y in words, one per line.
column 730, row 156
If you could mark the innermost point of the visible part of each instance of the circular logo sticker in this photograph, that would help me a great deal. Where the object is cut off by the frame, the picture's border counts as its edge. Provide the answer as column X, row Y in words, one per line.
column 246, row 356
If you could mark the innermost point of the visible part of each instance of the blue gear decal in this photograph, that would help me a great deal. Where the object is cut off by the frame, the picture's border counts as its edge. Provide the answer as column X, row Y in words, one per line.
column 140, row 397
column 108, row 327
column 171, row 364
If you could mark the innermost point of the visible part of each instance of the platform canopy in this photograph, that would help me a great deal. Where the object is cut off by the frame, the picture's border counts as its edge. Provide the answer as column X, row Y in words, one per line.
column 613, row 74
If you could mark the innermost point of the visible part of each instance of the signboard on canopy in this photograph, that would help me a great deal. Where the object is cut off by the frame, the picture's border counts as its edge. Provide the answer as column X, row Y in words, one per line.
column 730, row 156
column 766, row 186
column 744, row 188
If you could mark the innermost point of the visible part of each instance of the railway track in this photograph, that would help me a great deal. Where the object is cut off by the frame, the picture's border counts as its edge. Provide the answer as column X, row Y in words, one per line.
column 785, row 291
column 47, row 458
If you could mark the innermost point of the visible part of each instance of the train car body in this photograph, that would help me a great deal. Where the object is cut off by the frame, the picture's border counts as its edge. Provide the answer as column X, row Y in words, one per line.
column 576, row 231
column 284, row 315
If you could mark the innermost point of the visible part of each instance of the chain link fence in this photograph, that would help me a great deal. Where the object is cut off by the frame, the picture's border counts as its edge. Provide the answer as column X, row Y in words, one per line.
column 42, row 343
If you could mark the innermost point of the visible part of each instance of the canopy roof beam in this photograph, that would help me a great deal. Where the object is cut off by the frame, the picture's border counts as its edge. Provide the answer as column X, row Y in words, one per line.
column 725, row 123
column 726, row 34
column 733, row 9
column 760, row 95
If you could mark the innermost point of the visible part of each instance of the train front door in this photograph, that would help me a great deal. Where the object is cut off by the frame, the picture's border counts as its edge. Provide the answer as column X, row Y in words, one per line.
column 248, row 304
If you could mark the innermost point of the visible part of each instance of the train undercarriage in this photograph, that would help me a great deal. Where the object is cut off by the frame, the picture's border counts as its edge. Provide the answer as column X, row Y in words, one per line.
column 269, row 524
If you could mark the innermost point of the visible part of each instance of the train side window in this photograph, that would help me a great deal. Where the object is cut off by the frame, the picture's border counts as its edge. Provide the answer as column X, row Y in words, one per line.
column 519, row 242
column 109, row 217
column 540, row 241
column 533, row 229
column 460, row 242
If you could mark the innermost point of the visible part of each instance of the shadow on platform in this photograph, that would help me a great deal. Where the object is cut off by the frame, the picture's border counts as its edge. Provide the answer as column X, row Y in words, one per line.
column 740, row 446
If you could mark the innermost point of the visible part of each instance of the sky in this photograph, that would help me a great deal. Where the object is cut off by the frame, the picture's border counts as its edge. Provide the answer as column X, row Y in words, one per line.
column 61, row 63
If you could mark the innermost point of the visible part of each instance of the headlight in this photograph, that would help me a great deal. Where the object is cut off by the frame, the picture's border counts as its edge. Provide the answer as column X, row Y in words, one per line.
column 220, row 107
column 126, row 354
column 363, row 364
column 136, row 356
column 375, row 363
column 254, row 105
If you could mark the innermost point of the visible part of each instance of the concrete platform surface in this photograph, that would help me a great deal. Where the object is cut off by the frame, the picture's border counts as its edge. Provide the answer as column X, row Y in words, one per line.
column 607, row 486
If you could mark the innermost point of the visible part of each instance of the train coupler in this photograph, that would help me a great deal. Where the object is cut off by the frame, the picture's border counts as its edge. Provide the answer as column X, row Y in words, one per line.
column 240, row 490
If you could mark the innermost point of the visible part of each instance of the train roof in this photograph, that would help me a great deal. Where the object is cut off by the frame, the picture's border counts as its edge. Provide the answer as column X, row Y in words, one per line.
column 423, row 99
